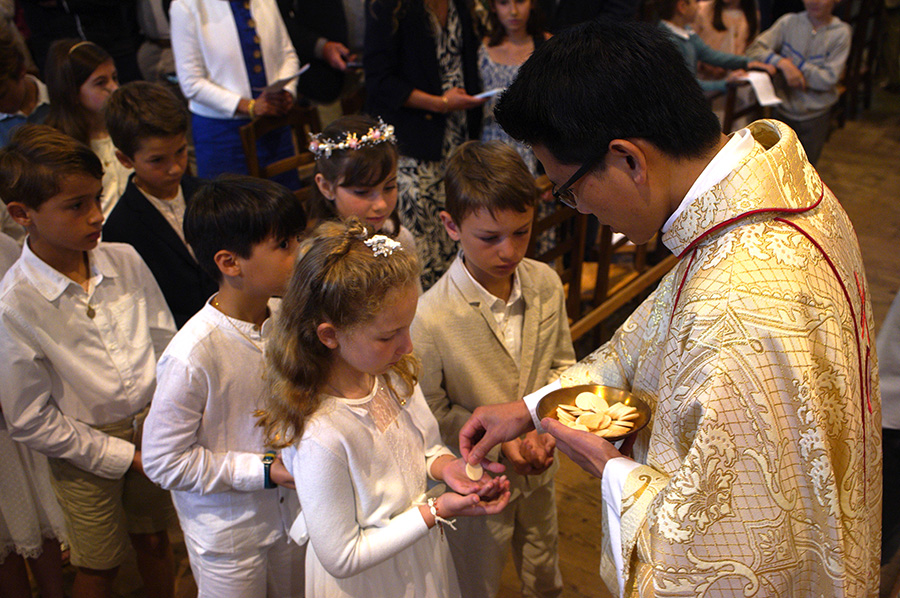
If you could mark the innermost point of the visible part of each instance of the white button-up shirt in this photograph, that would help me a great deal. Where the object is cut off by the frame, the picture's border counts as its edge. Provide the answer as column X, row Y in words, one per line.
column 64, row 371
column 201, row 440
column 509, row 314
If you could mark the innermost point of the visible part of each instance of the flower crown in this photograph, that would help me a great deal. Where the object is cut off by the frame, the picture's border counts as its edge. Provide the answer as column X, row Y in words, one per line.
column 381, row 133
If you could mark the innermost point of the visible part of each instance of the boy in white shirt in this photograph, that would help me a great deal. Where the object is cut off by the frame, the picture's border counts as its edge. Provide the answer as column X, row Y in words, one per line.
column 81, row 326
column 201, row 435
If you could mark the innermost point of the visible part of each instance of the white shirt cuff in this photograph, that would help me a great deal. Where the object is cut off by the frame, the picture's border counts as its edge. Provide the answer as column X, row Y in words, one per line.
column 249, row 472
column 532, row 400
column 116, row 460
column 615, row 472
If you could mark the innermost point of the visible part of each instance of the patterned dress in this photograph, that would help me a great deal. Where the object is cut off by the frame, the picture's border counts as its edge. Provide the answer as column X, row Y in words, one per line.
column 420, row 182
column 761, row 469
column 495, row 75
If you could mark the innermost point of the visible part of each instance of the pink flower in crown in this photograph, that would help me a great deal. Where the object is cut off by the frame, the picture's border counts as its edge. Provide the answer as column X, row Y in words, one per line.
column 314, row 146
column 352, row 141
column 375, row 134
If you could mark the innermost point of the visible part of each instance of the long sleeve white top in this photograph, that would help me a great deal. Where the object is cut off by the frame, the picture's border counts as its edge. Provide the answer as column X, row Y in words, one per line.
column 65, row 371
column 820, row 54
column 353, row 484
column 201, row 440
column 208, row 57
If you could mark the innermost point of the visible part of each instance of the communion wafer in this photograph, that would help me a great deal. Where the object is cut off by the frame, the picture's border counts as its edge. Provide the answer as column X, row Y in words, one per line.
column 585, row 401
column 591, row 413
column 475, row 472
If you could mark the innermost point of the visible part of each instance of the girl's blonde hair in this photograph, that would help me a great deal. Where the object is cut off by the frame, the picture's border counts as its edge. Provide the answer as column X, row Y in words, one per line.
column 337, row 279
column 71, row 62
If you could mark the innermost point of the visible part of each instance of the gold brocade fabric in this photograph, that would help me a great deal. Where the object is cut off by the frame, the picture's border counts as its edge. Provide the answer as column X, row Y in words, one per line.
column 762, row 463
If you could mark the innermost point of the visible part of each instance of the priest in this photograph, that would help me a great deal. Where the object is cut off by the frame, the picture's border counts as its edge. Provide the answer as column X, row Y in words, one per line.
column 760, row 471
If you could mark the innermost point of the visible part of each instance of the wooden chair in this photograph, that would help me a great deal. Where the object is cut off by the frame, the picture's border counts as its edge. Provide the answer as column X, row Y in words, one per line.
column 865, row 16
column 616, row 281
column 567, row 254
column 732, row 112
column 302, row 120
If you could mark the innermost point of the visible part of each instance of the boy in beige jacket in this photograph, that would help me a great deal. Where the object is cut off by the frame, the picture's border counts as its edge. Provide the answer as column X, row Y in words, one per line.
column 491, row 330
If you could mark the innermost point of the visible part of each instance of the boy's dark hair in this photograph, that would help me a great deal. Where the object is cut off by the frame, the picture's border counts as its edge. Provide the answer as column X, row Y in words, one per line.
column 35, row 160
column 658, row 10
column 12, row 61
column 601, row 81
column 140, row 110
column 487, row 176
column 236, row 212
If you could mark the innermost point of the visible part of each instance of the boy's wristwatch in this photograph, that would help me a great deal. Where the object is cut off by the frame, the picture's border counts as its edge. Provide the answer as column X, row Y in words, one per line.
column 268, row 459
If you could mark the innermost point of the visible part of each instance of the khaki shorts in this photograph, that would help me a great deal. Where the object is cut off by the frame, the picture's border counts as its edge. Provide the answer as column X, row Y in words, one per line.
column 100, row 513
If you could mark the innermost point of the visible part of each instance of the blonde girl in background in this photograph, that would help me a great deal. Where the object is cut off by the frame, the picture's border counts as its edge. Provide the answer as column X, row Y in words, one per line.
column 80, row 77
column 361, row 441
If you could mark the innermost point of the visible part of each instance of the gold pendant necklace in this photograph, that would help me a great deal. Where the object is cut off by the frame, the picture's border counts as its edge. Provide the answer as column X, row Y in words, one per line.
column 215, row 303
column 90, row 309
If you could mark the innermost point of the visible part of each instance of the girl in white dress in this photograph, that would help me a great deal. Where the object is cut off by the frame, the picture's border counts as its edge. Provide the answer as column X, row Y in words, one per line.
column 31, row 522
column 80, row 78
column 361, row 441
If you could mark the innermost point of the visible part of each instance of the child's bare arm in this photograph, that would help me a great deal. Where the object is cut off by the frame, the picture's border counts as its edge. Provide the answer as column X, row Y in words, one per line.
column 792, row 74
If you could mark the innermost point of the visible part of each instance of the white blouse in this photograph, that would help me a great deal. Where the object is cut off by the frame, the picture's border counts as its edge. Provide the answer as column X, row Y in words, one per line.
column 208, row 57
column 360, row 468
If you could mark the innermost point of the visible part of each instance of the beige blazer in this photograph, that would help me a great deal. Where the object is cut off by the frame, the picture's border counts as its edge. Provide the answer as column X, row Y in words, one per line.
column 464, row 361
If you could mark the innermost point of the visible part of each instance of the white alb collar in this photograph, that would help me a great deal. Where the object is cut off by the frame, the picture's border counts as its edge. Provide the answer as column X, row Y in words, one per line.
column 725, row 161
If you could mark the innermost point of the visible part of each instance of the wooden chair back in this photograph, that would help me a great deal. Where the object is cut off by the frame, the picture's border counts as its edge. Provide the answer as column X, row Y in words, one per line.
column 567, row 254
column 302, row 120
column 865, row 17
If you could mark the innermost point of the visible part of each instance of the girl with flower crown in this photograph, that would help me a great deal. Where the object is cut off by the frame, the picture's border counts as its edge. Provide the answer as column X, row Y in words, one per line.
column 356, row 175
column 358, row 437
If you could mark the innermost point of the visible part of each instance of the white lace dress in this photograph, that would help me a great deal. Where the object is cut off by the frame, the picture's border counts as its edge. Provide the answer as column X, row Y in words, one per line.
column 29, row 512
column 360, row 469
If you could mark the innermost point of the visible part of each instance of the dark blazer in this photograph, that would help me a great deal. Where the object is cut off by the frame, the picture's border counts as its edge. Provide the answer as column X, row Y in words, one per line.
column 397, row 62
column 135, row 221
column 565, row 13
column 307, row 21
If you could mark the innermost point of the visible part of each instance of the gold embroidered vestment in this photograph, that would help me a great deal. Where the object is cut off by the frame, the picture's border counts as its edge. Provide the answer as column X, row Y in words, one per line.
column 761, row 468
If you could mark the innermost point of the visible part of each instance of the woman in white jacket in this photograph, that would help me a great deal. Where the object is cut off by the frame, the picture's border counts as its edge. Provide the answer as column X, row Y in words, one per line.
column 226, row 53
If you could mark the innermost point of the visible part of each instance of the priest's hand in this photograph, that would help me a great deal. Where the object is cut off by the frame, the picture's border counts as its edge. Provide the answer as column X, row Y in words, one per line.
column 589, row 451
column 489, row 426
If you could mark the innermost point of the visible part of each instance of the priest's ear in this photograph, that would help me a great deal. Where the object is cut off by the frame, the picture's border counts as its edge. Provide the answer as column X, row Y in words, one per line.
column 630, row 157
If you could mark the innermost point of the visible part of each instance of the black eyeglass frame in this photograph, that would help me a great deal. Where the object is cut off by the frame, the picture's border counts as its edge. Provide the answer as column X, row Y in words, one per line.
column 564, row 194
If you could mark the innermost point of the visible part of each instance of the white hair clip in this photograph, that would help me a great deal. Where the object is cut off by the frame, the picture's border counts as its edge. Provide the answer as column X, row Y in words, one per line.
column 382, row 245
